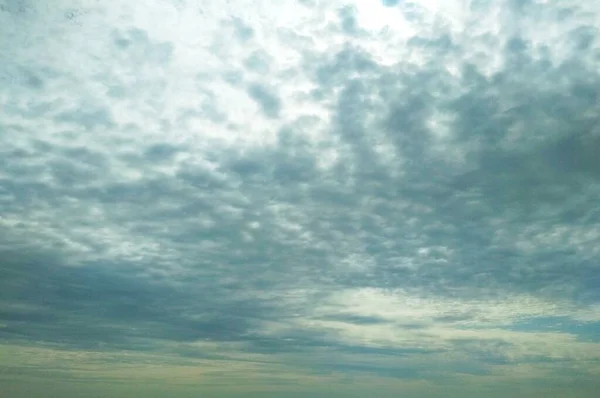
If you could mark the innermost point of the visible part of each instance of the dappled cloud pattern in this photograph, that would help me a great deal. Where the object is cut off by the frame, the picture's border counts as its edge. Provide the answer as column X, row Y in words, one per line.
column 300, row 198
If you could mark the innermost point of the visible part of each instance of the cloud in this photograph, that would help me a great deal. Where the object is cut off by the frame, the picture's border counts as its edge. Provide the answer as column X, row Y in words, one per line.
column 269, row 103
column 393, row 192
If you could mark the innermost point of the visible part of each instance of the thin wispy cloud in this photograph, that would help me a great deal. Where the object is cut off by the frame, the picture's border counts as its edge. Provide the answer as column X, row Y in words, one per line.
column 300, row 198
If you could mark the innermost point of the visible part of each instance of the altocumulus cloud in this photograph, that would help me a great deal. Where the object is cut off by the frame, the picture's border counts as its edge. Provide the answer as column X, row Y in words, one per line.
column 300, row 197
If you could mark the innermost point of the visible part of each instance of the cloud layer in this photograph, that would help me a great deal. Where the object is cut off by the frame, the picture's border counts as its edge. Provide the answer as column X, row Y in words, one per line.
column 397, row 194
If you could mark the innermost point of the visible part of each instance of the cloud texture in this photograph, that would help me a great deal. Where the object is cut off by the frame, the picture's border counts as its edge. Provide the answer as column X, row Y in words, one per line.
column 300, row 198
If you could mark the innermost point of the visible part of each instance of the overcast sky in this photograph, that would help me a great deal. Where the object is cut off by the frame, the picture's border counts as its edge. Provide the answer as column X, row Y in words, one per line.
column 299, row 198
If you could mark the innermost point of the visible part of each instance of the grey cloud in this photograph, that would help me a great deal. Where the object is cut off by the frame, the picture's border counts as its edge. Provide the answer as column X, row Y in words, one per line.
column 231, row 238
column 393, row 352
column 111, row 307
column 349, row 24
column 345, row 64
column 161, row 152
column 268, row 101
column 17, row 7
column 486, row 352
column 517, row 180
column 233, row 77
column 258, row 62
column 359, row 320
column 243, row 31
column 136, row 42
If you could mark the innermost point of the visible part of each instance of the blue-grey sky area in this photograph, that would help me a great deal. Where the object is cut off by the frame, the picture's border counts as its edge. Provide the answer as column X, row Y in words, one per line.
column 300, row 198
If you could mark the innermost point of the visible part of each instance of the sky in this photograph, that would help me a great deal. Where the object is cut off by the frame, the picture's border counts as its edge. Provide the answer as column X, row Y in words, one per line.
column 299, row 198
